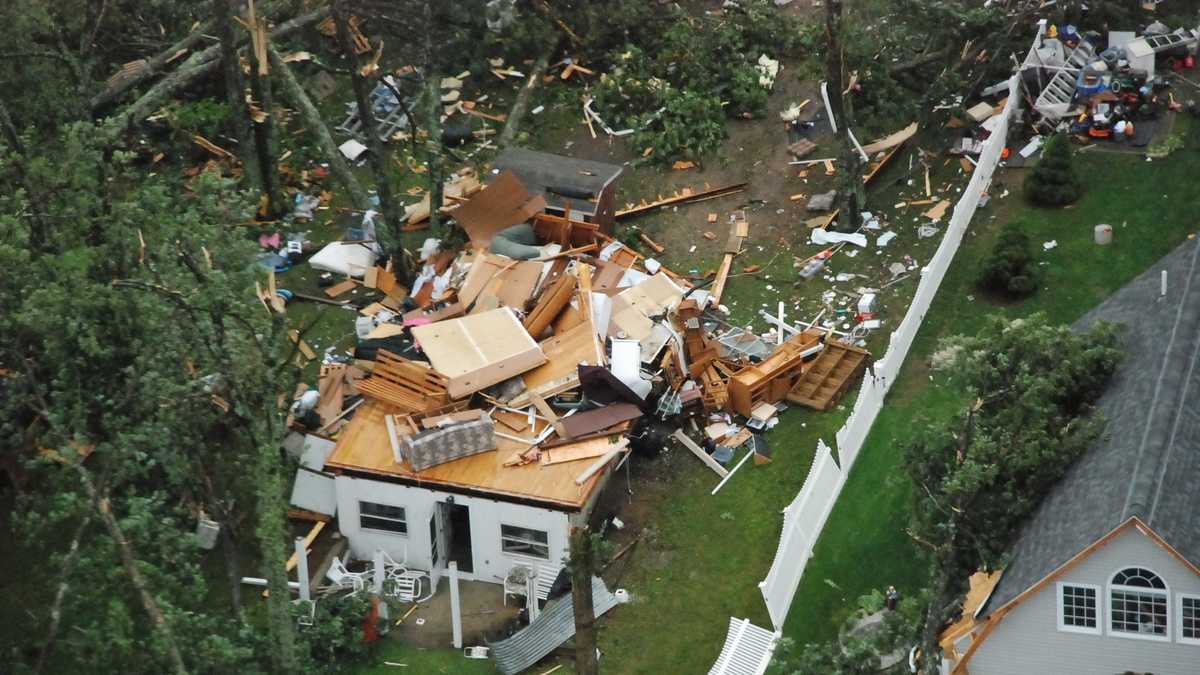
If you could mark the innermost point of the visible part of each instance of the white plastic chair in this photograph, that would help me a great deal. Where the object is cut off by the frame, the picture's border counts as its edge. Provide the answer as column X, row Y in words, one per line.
column 516, row 581
column 344, row 578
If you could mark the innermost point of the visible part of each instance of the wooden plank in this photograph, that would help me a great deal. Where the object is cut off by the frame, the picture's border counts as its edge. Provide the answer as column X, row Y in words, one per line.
column 685, row 196
column 547, row 412
column 655, row 246
column 596, row 447
column 338, row 289
column 700, row 453
column 585, row 307
column 294, row 336
column 308, row 540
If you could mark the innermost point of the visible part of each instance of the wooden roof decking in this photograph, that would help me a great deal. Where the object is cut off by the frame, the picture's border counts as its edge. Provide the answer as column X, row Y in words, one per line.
column 363, row 446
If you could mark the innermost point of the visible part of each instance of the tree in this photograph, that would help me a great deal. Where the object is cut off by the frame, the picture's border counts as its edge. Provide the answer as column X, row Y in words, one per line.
column 863, row 645
column 583, row 565
column 142, row 365
column 1010, row 269
column 977, row 476
column 1053, row 181
column 850, row 163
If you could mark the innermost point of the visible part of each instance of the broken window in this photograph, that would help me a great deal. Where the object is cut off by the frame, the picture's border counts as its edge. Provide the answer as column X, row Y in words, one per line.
column 524, row 541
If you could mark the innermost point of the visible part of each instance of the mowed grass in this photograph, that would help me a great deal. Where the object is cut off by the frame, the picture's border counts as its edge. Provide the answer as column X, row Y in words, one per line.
column 1151, row 206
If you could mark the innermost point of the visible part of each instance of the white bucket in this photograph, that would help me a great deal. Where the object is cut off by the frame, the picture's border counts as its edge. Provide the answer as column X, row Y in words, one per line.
column 1104, row 234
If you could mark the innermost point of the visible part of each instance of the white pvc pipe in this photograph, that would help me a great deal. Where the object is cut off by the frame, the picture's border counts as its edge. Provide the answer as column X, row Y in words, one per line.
column 455, row 608
column 259, row 581
column 730, row 474
column 302, row 569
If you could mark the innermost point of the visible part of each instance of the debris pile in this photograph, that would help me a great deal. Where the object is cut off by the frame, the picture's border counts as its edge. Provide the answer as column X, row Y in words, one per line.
column 546, row 340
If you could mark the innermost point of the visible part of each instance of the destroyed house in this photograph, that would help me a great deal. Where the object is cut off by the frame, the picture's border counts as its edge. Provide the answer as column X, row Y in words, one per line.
column 589, row 188
column 473, row 510
column 1105, row 576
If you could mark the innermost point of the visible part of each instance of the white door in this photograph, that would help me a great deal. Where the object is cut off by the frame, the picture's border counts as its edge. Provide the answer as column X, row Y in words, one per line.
column 437, row 545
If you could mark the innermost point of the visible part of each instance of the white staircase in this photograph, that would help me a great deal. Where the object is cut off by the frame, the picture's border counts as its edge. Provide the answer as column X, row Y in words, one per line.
column 1055, row 99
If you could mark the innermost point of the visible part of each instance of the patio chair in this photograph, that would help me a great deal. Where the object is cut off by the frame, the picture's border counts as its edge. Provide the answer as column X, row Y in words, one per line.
column 344, row 578
column 406, row 586
column 516, row 582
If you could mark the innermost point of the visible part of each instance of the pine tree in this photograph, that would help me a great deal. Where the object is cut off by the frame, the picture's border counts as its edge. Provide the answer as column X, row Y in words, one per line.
column 1053, row 181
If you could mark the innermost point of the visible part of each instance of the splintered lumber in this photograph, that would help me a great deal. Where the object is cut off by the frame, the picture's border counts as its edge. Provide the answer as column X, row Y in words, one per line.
column 308, row 540
column 657, row 247
column 307, row 351
column 411, row 386
column 588, row 449
column 737, row 233
column 938, row 210
column 684, row 196
column 549, row 305
column 598, row 465
column 700, row 453
column 892, row 140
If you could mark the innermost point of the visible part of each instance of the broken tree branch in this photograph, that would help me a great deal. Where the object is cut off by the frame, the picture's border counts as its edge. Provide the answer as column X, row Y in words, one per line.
column 193, row 70
column 522, row 102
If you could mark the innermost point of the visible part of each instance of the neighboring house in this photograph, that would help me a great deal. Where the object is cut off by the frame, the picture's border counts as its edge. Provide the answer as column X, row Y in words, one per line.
column 1104, row 578
column 588, row 187
column 483, row 515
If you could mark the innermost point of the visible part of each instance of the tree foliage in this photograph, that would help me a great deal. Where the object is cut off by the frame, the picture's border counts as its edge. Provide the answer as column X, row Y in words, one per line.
column 1010, row 269
column 978, row 476
column 861, row 647
column 1054, row 180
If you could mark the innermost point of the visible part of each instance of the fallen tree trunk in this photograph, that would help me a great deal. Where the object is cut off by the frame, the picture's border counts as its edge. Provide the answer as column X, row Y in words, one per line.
column 316, row 124
column 518, row 109
column 154, row 66
column 193, row 70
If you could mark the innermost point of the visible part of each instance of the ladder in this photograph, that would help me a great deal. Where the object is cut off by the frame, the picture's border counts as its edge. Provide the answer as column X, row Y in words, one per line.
column 1055, row 99
column 1161, row 43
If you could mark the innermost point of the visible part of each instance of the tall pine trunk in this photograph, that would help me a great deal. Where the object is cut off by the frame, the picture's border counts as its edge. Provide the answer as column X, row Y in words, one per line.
column 850, row 166
column 582, row 564
column 235, row 90
column 264, row 134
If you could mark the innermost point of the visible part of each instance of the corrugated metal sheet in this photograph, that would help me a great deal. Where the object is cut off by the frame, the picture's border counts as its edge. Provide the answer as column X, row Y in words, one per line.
column 747, row 650
column 554, row 626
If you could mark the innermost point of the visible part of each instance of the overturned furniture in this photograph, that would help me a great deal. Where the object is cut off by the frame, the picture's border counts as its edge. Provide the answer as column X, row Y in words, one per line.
column 772, row 379
column 827, row 378
column 576, row 189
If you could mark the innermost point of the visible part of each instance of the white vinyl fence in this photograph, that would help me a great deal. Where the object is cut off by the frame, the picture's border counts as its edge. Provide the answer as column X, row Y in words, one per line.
column 804, row 518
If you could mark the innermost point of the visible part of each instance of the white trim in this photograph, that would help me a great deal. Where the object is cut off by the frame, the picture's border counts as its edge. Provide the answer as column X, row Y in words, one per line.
column 1165, row 592
column 1179, row 607
column 1058, row 596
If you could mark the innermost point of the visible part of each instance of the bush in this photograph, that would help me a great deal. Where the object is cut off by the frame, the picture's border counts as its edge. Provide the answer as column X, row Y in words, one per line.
column 1010, row 269
column 1053, row 181
column 690, row 126
column 206, row 116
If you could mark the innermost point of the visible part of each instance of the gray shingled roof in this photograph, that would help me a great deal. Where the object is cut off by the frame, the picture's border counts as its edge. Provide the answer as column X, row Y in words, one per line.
column 1148, row 460
column 544, row 173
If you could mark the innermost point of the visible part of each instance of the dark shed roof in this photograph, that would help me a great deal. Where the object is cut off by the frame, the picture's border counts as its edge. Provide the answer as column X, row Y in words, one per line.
column 560, row 179
column 1148, row 461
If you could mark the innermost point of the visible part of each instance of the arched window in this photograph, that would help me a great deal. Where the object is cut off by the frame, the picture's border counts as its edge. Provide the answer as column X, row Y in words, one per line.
column 1138, row 604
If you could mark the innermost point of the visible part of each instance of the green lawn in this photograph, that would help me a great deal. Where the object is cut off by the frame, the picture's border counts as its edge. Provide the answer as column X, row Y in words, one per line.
column 1151, row 207
column 424, row 662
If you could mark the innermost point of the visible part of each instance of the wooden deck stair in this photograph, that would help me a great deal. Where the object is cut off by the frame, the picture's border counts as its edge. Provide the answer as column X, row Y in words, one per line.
column 827, row 378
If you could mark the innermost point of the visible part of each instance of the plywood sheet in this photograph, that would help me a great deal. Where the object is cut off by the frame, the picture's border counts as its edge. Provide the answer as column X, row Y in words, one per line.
column 501, row 204
column 512, row 282
column 363, row 447
column 479, row 350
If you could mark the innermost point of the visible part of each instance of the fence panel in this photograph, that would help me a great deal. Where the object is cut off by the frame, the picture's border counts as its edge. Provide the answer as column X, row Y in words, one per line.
column 805, row 517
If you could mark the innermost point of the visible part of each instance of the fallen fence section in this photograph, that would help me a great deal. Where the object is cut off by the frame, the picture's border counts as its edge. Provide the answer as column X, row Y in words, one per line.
column 747, row 650
column 804, row 518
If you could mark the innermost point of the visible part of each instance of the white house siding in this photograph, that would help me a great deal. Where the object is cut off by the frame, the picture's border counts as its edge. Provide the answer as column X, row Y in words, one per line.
column 490, row 562
column 1028, row 639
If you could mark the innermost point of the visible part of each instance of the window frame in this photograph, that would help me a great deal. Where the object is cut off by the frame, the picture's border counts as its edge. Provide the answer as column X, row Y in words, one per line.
column 528, row 542
column 1066, row 628
column 1180, row 597
column 1164, row 592
column 362, row 516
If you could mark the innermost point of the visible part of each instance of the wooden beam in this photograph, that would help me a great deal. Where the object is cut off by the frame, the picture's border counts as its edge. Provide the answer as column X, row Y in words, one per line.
column 699, row 452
